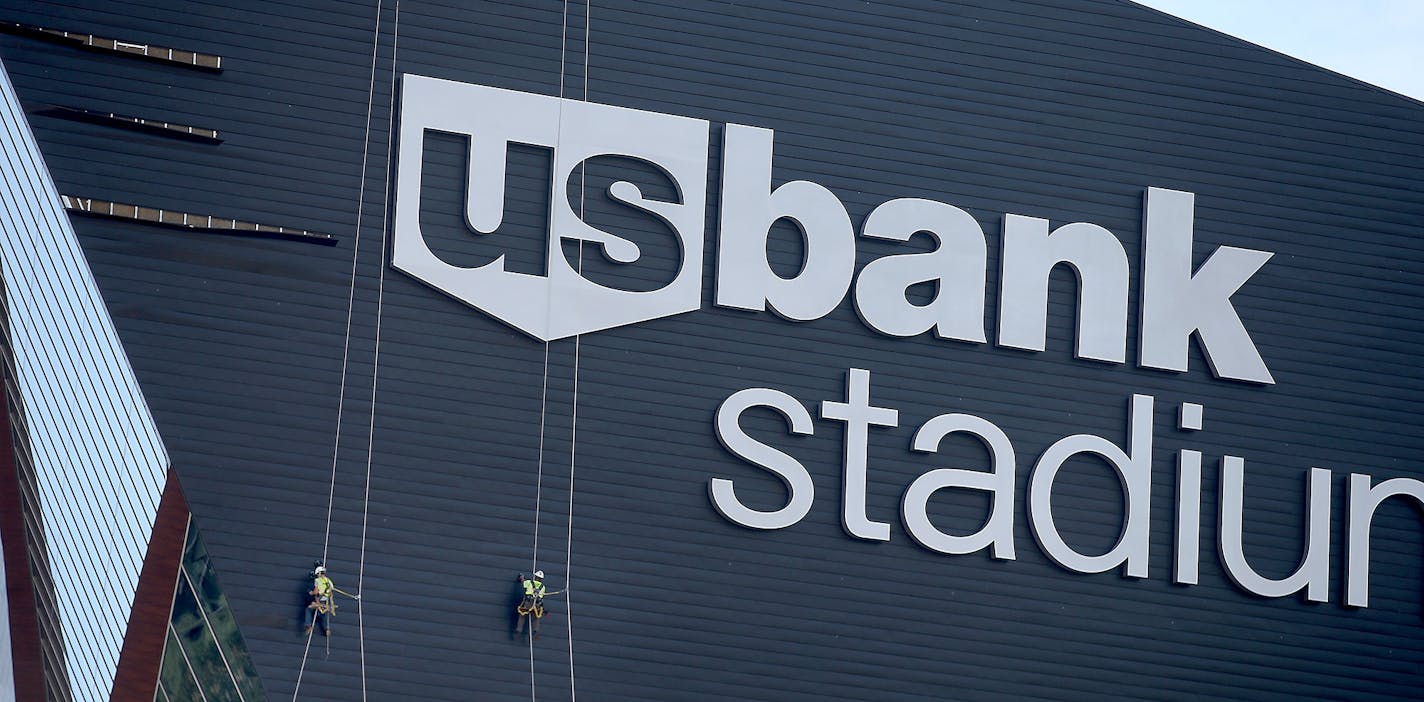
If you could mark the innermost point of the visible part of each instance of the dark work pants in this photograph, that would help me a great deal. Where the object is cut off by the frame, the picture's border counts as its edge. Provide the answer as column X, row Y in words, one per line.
column 316, row 616
column 527, row 603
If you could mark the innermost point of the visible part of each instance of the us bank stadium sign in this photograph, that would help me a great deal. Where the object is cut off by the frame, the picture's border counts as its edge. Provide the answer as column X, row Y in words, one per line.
column 1176, row 303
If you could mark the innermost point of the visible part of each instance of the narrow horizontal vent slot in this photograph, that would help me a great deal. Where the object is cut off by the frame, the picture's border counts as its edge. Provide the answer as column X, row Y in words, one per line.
column 189, row 220
column 139, row 124
column 181, row 57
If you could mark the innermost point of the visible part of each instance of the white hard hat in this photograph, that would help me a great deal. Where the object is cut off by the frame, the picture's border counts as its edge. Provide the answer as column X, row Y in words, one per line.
column 320, row 569
column 538, row 573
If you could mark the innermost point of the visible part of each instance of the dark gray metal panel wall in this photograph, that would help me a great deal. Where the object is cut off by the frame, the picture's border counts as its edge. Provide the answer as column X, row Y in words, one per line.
column 1060, row 110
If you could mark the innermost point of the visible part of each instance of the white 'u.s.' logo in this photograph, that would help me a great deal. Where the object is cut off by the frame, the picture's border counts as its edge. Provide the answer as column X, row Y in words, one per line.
column 563, row 303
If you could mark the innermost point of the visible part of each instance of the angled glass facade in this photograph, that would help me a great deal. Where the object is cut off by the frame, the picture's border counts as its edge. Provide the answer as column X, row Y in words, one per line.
column 205, row 657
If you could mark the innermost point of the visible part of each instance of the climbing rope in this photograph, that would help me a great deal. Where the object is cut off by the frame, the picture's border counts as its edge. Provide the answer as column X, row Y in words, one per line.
column 539, row 484
column 539, row 477
column 346, row 353
column 544, row 392
column 376, row 361
column 573, row 428
column 538, row 493
column 370, row 437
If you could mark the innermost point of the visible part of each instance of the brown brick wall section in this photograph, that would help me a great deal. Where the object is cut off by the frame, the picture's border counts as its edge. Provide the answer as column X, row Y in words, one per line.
column 139, row 660
column 19, row 587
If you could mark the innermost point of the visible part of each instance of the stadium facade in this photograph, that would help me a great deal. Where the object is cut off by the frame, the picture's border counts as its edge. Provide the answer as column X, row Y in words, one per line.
column 816, row 351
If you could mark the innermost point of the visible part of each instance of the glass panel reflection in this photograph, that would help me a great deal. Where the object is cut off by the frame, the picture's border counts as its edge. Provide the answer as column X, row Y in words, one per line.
column 206, row 658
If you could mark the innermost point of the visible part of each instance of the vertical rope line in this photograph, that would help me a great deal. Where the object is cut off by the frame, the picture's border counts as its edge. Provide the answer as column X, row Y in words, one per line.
column 351, row 289
column 350, row 306
column 376, row 360
column 554, row 242
column 544, row 394
column 539, row 477
column 573, row 429
column 303, row 667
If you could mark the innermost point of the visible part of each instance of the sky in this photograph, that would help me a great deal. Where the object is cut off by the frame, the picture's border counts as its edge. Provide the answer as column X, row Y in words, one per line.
column 1377, row 41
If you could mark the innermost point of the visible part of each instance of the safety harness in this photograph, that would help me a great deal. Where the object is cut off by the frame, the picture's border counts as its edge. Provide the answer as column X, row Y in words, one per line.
column 533, row 602
column 325, row 603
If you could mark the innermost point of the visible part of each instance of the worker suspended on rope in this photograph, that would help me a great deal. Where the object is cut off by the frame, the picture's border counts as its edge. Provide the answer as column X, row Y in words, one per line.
column 322, row 605
column 531, row 606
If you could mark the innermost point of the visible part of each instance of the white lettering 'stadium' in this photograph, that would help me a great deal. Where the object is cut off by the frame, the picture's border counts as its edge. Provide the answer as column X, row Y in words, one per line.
column 564, row 303
column 1132, row 463
column 1178, row 303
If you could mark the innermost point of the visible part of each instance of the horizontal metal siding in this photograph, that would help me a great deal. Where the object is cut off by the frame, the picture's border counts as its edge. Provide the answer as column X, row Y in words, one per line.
column 1059, row 110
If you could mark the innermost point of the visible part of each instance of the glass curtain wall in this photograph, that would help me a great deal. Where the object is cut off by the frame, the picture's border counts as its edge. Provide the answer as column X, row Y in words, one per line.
column 205, row 657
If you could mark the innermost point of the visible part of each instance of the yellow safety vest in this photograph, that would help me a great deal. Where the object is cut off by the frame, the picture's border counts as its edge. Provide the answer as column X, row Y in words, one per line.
column 533, row 588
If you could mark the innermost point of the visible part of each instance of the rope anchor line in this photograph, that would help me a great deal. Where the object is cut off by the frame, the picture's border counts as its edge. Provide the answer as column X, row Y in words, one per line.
column 346, row 350
column 345, row 360
column 544, row 393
